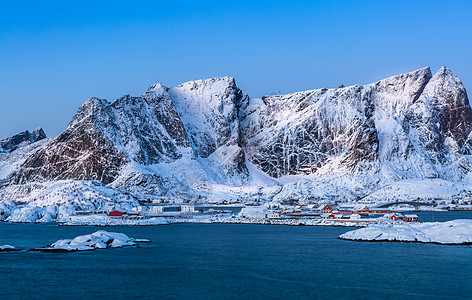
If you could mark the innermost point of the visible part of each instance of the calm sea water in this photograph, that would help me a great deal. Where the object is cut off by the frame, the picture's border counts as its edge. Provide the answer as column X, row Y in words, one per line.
column 215, row 261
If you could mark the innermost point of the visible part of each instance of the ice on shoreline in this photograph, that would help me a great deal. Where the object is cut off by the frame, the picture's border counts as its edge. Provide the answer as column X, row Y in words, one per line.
column 98, row 240
column 455, row 232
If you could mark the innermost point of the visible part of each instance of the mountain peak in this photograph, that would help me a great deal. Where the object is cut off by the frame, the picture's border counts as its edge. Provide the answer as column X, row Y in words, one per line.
column 11, row 143
column 38, row 134
column 216, row 81
column 423, row 73
column 444, row 70
column 158, row 88
column 446, row 74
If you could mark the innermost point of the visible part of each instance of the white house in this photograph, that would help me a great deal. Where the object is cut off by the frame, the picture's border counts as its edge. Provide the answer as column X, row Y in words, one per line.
column 254, row 212
column 157, row 209
column 187, row 208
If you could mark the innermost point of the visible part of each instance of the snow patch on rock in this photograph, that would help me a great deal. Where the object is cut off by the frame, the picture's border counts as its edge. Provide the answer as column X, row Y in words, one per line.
column 98, row 240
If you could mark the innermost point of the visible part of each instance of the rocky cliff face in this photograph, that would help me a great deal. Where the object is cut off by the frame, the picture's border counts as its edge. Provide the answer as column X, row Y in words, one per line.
column 405, row 126
column 206, row 136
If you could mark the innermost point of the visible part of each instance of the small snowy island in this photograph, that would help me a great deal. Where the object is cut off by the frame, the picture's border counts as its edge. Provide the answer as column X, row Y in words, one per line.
column 98, row 240
column 455, row 232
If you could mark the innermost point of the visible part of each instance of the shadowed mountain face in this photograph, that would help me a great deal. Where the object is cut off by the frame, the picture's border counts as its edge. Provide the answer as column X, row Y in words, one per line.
column 406, row 126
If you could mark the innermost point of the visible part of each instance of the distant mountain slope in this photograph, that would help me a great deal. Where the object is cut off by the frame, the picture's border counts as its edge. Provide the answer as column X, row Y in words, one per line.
column 21, row 139
column 16, row 149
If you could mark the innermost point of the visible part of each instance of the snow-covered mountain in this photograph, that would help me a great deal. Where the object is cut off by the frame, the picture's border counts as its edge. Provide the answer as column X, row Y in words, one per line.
column 206, row 139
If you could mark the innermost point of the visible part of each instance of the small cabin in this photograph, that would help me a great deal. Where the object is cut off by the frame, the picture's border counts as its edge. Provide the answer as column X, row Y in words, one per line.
column 410, row 218
column 361, row 208
column 394, row 216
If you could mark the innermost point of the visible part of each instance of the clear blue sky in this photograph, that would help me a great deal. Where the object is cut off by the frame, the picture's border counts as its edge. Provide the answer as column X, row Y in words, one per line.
column 56, row 55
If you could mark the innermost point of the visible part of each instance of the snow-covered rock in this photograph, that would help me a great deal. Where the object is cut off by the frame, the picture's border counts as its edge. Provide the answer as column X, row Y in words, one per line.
column 451, row 232
column 98, row 240
column 6, row 208
column 8, row 248
column 30, row 214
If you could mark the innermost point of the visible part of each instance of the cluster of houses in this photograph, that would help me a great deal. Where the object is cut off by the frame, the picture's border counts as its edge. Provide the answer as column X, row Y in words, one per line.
column 461, row 202
column 323, row 211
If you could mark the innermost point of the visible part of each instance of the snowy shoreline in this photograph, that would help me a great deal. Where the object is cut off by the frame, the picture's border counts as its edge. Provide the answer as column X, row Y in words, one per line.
column 110, row 222
column 286, row 222
column 455, row 232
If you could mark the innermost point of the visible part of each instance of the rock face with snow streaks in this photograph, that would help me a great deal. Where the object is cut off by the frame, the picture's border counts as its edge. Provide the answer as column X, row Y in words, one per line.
column 211, row 111
column 299, row 133
column 406, row 126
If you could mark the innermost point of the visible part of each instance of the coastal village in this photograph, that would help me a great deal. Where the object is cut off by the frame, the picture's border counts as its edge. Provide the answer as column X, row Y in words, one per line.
column 321, row 211
column 336, row 213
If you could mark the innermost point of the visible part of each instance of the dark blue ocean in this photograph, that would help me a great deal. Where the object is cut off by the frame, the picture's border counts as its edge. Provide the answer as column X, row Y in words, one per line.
column 226, row 261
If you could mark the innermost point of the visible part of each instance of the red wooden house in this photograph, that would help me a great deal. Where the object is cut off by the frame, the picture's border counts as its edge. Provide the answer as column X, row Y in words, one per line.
column 116, row 213
column 410, row 218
